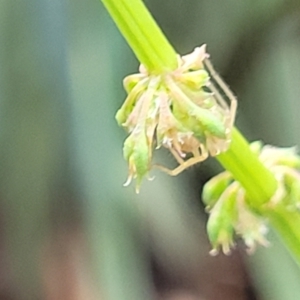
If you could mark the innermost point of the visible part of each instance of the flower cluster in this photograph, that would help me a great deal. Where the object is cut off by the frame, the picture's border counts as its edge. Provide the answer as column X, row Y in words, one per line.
column 181, row 110
column 226, row 200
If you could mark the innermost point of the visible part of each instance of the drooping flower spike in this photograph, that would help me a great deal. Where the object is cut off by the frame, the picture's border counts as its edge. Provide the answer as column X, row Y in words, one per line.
column 183, row 110
column 228, row 205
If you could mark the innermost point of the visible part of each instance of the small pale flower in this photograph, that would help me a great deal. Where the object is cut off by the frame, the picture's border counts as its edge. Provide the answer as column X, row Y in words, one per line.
column 138, row 154
column 222, row 220
column 247, row 224
column 181, row 110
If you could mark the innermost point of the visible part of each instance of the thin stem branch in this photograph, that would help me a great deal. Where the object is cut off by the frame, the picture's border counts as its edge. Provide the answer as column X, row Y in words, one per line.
column 246, row 168
column 287, row 225
column 142, row 34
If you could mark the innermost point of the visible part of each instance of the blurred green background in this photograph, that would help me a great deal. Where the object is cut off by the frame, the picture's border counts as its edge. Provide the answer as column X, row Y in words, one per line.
column 68, row 229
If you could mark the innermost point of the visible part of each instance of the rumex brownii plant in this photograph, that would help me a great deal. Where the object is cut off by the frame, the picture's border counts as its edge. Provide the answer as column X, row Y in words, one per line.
column 177, row 103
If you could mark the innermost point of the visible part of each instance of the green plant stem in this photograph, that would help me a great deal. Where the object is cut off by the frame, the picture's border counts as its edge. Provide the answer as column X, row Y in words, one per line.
column 142, row 34
column 155, row 52
column 246, row 168
column 260, row 185
column 287, row 225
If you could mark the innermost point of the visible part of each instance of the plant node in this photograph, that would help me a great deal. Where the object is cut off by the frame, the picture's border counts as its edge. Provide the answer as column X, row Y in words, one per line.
column 185, row 110
column 229, row 207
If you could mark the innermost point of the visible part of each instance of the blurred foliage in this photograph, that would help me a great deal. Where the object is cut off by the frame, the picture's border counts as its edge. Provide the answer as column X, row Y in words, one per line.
column 69, row 230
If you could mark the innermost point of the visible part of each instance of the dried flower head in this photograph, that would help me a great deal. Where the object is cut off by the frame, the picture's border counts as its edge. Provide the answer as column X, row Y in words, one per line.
column 226, row 200
column 183, row 110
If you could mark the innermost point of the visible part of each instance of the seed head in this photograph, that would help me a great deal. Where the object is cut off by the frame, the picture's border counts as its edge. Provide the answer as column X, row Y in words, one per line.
column 226, row 200
column 181, row 110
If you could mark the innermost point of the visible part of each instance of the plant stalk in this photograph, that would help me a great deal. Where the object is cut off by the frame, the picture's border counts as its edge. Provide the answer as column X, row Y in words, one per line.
column 142, row 34
column 246, row 168
column 155, row 52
